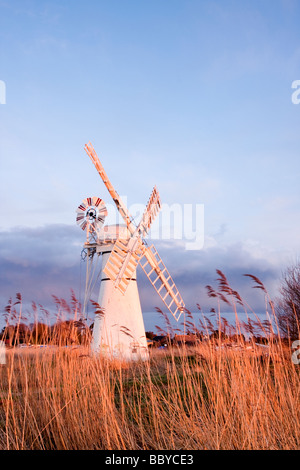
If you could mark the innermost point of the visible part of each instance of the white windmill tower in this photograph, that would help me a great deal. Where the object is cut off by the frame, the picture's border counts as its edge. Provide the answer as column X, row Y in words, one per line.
column 119, row 327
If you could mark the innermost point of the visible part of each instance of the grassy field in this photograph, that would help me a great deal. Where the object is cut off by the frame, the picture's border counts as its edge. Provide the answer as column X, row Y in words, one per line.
column 205, row 397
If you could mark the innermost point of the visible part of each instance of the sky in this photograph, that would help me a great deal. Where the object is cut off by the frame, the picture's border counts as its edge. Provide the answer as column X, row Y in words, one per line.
column 193, row 96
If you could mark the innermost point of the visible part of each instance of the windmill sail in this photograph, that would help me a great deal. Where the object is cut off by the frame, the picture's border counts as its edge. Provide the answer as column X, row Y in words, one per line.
column 160, row 278
column 126, row 255
column 122, row 263
column 118, row 201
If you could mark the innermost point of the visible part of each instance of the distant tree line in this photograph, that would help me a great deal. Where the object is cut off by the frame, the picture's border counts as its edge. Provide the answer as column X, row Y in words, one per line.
column 64, row 333
column 74, row 330
column 60, row 332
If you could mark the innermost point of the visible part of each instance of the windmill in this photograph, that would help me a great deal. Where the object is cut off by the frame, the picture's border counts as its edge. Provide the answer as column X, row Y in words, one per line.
column 118, row 326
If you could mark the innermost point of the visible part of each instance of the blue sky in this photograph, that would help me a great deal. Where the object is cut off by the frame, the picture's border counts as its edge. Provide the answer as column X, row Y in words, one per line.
column 193, row 96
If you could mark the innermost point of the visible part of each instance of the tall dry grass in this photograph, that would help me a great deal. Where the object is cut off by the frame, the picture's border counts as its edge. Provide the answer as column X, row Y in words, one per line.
column 207, row 397
column 215, row 395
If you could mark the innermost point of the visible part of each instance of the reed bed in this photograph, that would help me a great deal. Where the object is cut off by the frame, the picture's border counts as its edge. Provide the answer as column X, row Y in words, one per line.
column 224, row 393
column 205, row 397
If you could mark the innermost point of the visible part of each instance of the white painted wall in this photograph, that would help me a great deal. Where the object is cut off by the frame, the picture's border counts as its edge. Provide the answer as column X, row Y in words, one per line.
column 120, row 332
